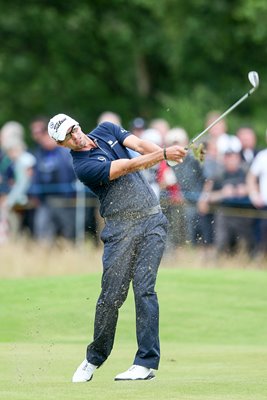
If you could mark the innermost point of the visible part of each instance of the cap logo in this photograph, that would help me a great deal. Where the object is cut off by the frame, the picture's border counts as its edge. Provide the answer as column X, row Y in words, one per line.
column 57, row 124
column 51, row 125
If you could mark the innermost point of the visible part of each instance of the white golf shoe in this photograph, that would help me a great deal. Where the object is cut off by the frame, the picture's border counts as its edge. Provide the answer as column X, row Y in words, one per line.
column 84, row 372
column 136, row 373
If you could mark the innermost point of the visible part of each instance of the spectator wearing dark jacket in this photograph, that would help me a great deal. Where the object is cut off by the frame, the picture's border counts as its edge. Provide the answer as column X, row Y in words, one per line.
column 53, row 188
column 229, row 197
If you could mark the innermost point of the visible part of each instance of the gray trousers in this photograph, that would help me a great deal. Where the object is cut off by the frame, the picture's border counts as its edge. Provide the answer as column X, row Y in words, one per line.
column 53, row 220
column 132, row 253
column 230, row 230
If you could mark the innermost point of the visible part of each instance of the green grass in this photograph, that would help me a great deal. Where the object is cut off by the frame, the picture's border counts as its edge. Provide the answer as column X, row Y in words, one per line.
column 213, row 337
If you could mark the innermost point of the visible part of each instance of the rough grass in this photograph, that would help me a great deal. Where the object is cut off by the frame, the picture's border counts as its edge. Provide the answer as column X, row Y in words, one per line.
column 213, row 336
column 26, row 258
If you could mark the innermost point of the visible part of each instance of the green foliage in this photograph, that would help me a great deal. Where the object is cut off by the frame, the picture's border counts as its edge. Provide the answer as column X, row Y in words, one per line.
column 168, row 58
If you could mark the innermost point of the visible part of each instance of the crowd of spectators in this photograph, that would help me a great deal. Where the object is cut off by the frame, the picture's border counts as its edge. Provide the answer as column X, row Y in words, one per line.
column 218, row 202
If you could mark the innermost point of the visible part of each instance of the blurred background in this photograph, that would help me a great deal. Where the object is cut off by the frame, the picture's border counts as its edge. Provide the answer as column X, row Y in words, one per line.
column 168, row 58
column 163, row 69
column 142, row 60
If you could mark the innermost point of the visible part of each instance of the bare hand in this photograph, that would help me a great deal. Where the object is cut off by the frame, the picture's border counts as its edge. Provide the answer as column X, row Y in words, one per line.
column 241, row 190
column 256, row 199
column 176, row 153
column 228, row 191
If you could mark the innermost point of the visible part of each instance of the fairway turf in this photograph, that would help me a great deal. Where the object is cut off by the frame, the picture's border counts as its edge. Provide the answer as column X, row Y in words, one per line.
column 213, row 337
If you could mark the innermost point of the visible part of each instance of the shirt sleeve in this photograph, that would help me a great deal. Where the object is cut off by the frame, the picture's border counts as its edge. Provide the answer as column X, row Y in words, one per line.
column 119, row 132
column 94, row 172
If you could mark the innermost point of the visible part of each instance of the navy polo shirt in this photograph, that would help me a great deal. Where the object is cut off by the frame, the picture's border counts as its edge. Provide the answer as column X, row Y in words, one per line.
column 130, row 192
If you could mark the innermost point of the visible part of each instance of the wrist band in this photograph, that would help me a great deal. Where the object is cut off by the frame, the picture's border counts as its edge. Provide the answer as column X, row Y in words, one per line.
column 164, row 153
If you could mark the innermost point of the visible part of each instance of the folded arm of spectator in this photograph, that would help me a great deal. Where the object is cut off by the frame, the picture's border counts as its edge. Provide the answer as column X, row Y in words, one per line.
column 253, row 190
column 18, row 192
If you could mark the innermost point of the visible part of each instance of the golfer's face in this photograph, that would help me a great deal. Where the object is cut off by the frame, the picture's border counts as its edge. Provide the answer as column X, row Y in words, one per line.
column 75, row 138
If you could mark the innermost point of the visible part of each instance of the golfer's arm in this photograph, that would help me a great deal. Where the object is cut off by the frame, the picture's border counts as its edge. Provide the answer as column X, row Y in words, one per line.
column 139, row 145
column 124, row 166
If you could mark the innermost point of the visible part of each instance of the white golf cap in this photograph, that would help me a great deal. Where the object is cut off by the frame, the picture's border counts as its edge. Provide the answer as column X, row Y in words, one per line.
column 59, row 125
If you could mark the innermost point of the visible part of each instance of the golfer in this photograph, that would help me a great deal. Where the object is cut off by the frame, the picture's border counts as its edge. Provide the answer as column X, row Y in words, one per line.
column 134, row 235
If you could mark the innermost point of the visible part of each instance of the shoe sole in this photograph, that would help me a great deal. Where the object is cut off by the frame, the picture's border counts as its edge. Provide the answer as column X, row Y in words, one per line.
column 148, row 378
column 84, row 381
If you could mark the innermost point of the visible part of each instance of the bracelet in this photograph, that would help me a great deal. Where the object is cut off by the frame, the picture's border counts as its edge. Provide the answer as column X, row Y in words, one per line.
column 164, row 153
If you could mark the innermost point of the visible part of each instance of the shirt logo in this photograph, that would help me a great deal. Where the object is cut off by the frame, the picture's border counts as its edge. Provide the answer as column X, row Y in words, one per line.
column 101, row 158
column 110, row 142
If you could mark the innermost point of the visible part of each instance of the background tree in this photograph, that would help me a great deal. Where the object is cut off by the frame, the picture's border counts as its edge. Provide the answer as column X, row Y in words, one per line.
column 168, row 58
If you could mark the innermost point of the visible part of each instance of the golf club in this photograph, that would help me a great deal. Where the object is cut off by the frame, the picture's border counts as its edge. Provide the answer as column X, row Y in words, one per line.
column 253, row 78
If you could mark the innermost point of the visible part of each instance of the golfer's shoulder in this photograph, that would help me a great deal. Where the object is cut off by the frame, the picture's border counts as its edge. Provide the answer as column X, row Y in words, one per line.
column 107, row 127
column 110, row 128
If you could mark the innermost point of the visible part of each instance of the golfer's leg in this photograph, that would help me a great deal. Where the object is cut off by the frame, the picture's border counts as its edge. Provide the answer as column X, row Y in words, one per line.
column 146, row 302
column 116, row 279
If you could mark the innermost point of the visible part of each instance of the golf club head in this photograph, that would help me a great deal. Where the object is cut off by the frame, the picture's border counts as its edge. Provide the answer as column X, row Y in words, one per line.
column 253, row 78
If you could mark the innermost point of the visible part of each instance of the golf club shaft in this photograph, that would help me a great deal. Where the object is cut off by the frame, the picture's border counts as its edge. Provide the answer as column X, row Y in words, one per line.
column 221, row 117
